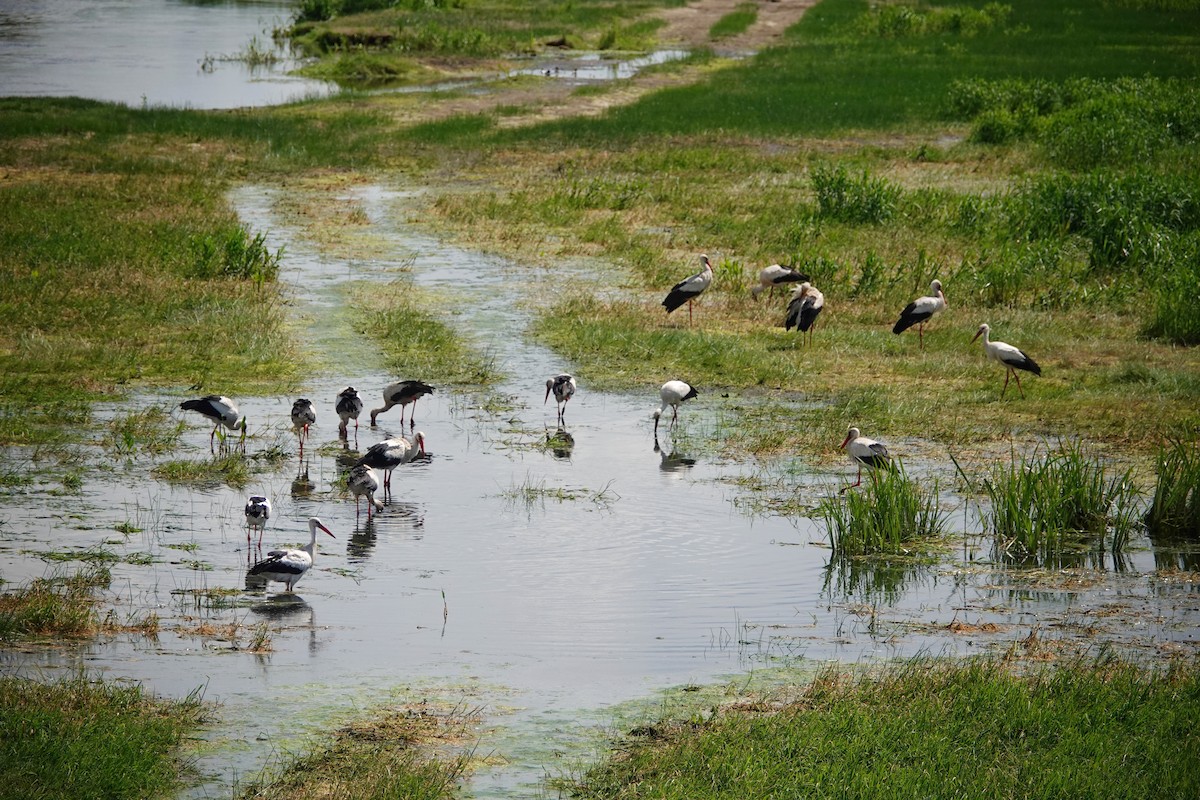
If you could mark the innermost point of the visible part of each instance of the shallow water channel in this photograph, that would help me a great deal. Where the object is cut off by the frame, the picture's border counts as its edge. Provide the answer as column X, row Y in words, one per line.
column 547, row 589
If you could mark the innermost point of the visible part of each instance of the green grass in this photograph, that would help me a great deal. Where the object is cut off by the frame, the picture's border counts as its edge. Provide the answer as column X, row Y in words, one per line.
column 930, row 729
column 735, row 22
column 1175, row 508
column 234, row 469
column 59, row 606
column 1041, row 506
column 78, row 740
column 890, row 514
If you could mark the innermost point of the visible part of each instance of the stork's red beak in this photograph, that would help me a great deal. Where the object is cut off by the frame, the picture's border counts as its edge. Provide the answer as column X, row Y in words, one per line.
column 976, row 336
column 322, row 527
column 547, row 396
column 844, row 441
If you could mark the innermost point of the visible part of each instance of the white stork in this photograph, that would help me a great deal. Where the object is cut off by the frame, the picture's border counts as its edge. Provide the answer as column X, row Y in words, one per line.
column 401, row 393
column 391, row 453
column 689, row 289
column 563, row 387
column 303, row 415
column 1012, row 358
column 673, row 393
column 920, row 310
column 807, row 302
column 258, row 511
column 219, row 410
column 348, row 406
column 362, row 481
column 289, row 566
column 865, row 452
column 776, row 275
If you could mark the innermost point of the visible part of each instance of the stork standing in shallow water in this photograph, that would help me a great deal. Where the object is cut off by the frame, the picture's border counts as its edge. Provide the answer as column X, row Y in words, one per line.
column 221, row 411
column 303, row 415
column 807, row 302
column 776, row 275
column 563, row 387
column 673, row 393
column 689, row 289
column 865, row 452
column 1012, row 358
column 391, row 453
column 362, row 481
column 919, row 311
column 258, row 511
column 289, row 566
column 348, row 406
column 401, row 393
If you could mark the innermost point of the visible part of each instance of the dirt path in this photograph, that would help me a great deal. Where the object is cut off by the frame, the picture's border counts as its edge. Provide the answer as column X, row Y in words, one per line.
column 686, row 27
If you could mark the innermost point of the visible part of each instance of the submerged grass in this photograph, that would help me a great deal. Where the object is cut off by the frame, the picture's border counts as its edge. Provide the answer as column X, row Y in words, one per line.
column 1175, row 508
column 1098, row 729
column 83, row 739
column 1068, row 499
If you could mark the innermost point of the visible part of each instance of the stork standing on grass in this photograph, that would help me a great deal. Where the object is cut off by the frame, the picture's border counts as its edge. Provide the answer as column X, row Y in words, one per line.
column 689, row 289
column 673, row 393
column 401, row 393
column 865, row 452
column 219, row 410
column 289, row 566
column 348, row 406
column 919, row 311
column 776, row 275
column 807, row 302
column 362, row 481
column 563, row 387
column 391, row 453
column 1012, row 358
column 258, row 511
column 303, row 415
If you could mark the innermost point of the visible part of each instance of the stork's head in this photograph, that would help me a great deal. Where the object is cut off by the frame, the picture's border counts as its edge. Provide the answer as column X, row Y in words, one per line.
column 420, row 440
column 549, row 386
column 851, row 435
column 983, row 329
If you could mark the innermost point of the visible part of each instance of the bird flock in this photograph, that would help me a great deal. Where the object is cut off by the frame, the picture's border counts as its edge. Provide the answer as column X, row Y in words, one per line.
column 803, row 309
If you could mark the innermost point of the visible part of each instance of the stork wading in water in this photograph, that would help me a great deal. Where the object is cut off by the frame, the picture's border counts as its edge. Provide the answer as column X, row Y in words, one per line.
column 563, row 388
column 303, row 415
column 258, row 511
column 362, row 482
column 1012, row 358
column 289, row 566
column 401, row 393
column 673, row 393
column 865, row 452
column 391, row 453
column 776, row 275
column 689, row 289
column 219, row 410
column 807, row 302
column 919, row 311
column 348, row 406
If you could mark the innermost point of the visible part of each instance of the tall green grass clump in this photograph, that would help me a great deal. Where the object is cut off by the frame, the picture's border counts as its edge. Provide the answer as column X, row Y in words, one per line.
column 845, row 198
column 1175, row 509
column 78, row 739
column 891, row 516
column 1040, row 507
column 59, row 606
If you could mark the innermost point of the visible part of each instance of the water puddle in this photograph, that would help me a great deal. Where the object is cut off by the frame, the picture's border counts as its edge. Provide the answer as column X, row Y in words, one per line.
column 550, row 587
column 595, row 67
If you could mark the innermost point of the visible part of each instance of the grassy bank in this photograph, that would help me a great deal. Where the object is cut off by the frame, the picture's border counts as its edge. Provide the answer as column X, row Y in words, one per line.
column 929, row 729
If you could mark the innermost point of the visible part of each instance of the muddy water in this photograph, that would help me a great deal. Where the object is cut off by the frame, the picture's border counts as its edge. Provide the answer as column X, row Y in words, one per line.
column 149, row 52
column 546, row 589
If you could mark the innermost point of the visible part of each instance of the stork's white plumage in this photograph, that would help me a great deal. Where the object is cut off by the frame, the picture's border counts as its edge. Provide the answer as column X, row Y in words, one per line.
column 776, row 275
column 920, row 310
column 362, row 482
column 865, row 452
column 807, row 302
column 303, row 415
column 348, row 406
column 1012, row 358
column 258, row 511
column 391, row 453
column 673, row 393
column 401, row 393
column 689, row 289
column 563, row 387
column 220, row 410
column 289, row 566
